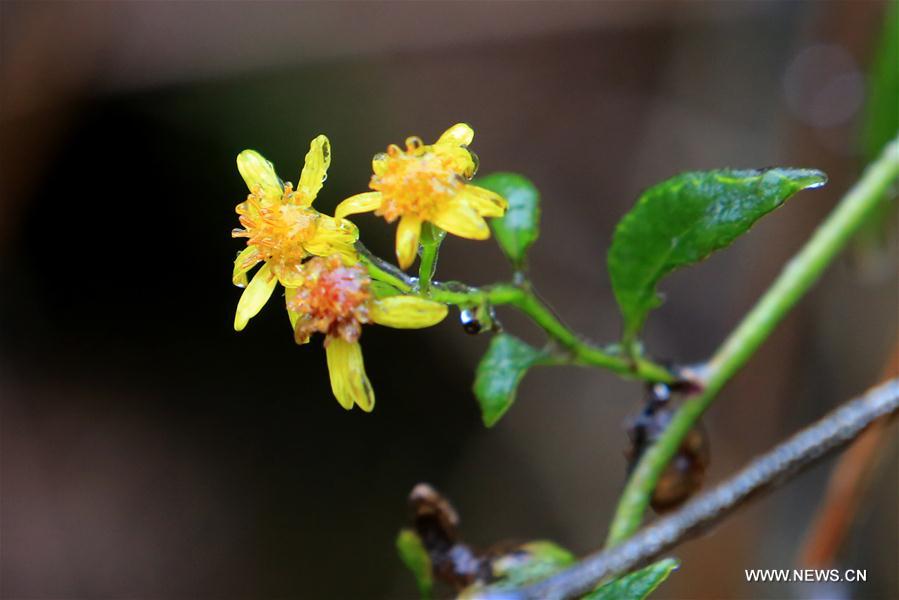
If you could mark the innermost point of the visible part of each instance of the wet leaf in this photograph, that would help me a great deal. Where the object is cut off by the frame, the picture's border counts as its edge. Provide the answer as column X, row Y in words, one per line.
column 499, row 372
column 683, row 220
column 637, row 585
column 413, row 554
column 520, row 226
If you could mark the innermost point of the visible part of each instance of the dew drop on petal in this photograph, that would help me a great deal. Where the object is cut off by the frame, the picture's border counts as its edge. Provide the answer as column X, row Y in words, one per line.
column 476, row 161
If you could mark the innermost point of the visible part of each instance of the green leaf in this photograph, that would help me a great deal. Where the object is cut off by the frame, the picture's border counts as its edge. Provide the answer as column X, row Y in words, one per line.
column 415, row 557
column 683, row 220
column 501, row 369
column 520, row 226
column 530, row 563
column 637, row 585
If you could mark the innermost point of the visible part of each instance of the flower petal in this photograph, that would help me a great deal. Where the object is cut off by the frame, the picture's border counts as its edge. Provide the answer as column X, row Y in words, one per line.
column 315, row 169
column 459, row 134
column 293, row 315
column 407, row 234
column 461, row 219
column 247, row 259
column 348, row 379
column 335, row 230
column 485, row 202
column 360, row 203
column 461, row 160
column 334, row 236
column 407, row 312
column 346, row 252
column 254, row 296
column 289, row 275
column 257, row 172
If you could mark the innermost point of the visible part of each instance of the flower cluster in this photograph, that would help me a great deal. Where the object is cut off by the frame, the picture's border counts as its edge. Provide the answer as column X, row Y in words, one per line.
column 312, row 255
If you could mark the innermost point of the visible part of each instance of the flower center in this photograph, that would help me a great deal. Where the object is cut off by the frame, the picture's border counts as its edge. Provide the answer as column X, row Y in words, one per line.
column 333, row 299
column 417, row 181
column 278, row 229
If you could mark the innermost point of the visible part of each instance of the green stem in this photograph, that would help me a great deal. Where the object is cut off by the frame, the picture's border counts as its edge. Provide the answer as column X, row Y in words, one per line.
column 792, row 283
column 431, row 237
column 381, row 270
column 521, row 297
column 581, row 352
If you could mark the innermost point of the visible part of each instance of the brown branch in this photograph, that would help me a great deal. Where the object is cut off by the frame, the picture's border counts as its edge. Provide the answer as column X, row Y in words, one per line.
column 835, row 430
column 846, row 489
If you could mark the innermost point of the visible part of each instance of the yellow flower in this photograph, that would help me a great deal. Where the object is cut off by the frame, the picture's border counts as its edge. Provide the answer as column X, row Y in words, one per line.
column 282, row 228
column 428, row 183
column 336, row 299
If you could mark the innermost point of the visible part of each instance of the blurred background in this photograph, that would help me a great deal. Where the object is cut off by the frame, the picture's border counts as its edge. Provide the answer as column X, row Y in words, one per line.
column 150, row 451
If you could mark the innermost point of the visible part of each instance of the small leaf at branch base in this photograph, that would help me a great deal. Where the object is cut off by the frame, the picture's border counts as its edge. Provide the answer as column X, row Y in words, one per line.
column 413, row 554
column 520, row 226
column 499, row 372
column 637, row 585
column 683, row 220
column 530, row 563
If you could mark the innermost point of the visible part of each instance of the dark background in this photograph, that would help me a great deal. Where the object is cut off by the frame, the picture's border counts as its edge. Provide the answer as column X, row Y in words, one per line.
column 150, row 451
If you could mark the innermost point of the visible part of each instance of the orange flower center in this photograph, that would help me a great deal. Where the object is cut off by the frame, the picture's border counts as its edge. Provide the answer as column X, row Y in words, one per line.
column 333, row 299
column 279, row 230
column 417, row 181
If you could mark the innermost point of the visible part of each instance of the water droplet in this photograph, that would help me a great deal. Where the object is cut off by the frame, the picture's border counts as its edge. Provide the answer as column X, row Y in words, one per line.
column 469, row 322
column 477, row 163
column 413, row 143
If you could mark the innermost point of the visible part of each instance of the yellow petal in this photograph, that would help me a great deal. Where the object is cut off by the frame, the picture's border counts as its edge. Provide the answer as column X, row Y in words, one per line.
column 346, row 252
column 348, row 379
column 360, row 203
column 315, row 169
column 288, row 275
column 254, row 296
column 379, row 163
column 459, row 134
column 460, row 219
column 407, row 312
column 259, row 173
column 484, row 202
column 407, row 234
column 246, row 260
column 334, row 236
column 335, row 230
column 293, row 315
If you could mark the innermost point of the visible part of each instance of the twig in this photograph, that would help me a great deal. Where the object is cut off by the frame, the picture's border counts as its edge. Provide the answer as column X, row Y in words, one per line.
column 792, row 283
column 802, row 450
column 846, row 489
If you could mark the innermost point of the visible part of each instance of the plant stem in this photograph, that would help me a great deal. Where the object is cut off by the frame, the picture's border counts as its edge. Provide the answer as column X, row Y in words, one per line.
column 792, row 283
column 431, row 238
column 523, row 298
